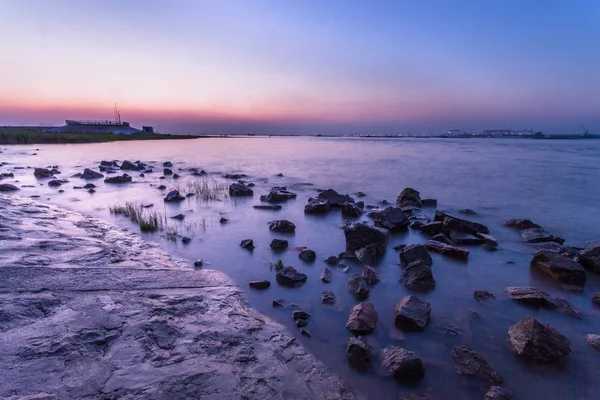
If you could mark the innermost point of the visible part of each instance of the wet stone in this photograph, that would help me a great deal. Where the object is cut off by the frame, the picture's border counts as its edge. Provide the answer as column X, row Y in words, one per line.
column 279, row 244
column 363, row 319
column 357, row 286
column 328, row 297
column 370, row 276
column 483, row 295
column 559, row 267
column 260, row 285
column 289, row 277
column 247, row 244
column 415, row 252
column 412, row 313
column 469, row 362
column 538, row 341
column 499, row 393
column 418, row 276
column 359, row 353
column 402, row 364
column 282, row 226
column 326, row 275
column 307, row 256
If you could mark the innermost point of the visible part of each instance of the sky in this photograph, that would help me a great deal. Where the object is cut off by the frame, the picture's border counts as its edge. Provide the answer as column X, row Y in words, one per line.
column 303, row 66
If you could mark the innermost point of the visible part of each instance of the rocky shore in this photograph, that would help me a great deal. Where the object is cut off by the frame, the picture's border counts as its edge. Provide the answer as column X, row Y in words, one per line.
column 92, row 312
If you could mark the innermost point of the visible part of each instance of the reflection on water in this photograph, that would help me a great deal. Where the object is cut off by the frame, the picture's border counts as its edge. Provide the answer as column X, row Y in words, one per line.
column 555, row 183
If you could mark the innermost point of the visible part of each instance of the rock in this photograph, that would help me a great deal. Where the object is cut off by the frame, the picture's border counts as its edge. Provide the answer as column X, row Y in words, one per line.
column 521, row 224
column 128, row 165
column 469, row 362
column 328, row 297
column 529, row 295
column 301, row 323
column 499, row 393
column 273, row 207
column 326, row 275
column 409, row 197
column 239, row 189
column 593, row 340
column 315, row 206
column 412, row 313
column 429, row 202
column 537, row 341
column 247, row 244
column 167, row 164
column 91, row 191
column 459, row 224
column 368, row 243
column 90, row 174
column 282, row 225
column 539, row 235
column 358, row 287
column 300, row 314
column 161, row 187
column 7, row 187
column 89, row 186
column 590, row 257
column 289, row 277
column 441, row 237
column 118, row 179
column 448, row 250
column 332, row 260
column 277, row 303
column 360, row 194
column 351, row 210
column 179, row 217
column 460, row 238
column 363, row 318
column 223, row 220
column 359, row 353
column 186, row 239
column 596, row 298
column 199, row 173
column 467, row 211
column 307, row 256
column 370, row 276
column 7, row 175
column 175, row 176
column 235, row 176
column 489, row 241
column 55, row 183
column 391, row 218
column 174, row 196
column 415, row 252
column 260, row 285
column 333, row 198
column 278, row 194
column 432, row 228
column 198, row 263
column 278, row 244
column 418, row 276
column 416, row 224
column 483, row 295
column 42, row 173
column 559, row 267
column 401, row 363
column 304, row 332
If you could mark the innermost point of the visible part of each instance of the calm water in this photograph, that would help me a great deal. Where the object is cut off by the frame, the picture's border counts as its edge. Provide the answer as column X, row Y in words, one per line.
column 554, row 183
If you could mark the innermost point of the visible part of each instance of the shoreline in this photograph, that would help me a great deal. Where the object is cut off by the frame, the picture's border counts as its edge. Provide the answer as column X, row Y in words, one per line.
column 91, row 311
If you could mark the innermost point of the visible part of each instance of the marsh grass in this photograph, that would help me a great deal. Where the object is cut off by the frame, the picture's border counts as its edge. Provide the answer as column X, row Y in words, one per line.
column 208, row 189
column 277, row 266
column 148, row 221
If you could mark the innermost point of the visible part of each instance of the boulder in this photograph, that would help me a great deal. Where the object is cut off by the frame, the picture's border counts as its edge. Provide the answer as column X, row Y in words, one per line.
column 447, row 250
column 55, row 183
column 459, row 224
column 409, row 197
column 279, row 244
column 168, row 164
column 90, row 174
column 559, row 267
column 432, row 228
column 418, row 276
column 179, row 217
column 334, row 199
column 366, row 242
column 128, row 165
column 415, row 252
column 278, row 194
column 260, row 285
column 282, row 226
column 359, row 353
column 358, row 287
column 593, row 340
column 391, row 218
column 363, row 318
column 118, row 179
column 351, row 210
column 483, row 295
column 307, row 255
column 429, row 202
column 539, row 235
column 412, row 313
column 328, row 297
column 7, row 187
column 175, row 176
column 471, row 363
column 315, row 206
column 300, row 314
column 239, row 189
column 370, row 276
column 401, row 363
column 520, row 224
column 533, row 297
column 538, row 341
column 467, row 211
column 273, row 207
column 489, row 241
column 590, row 257
column 499, row 393
column 235, row 176
column 326, row 275
column 461, row 238
column 247, row 244
column 289, row 277
column 42, row 173
column 332, row 260
column 89, row 186
column 223, row 220
column 174, row 196
column 596, row 298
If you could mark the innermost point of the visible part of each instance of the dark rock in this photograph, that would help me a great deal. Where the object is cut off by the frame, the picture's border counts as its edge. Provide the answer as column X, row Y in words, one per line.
column 384, row 202
column 304, row 332
column 359, row 353
column 280, row 175
column 198, row 263
column 461, row 238
column 90, row 174
column 432, row 228
column 239, row 189
column 186, row 240
column 537, row 341
column 401, row 363
column 315, row 206
column 332, row 260
column 483, row 295
column 370, row 276
column 418, row 276
column 328, row 297
column 307, row 255
column 89, row 186
column 199, row 173
column 539, row 235
column 360, row 194
column 273, row 207
column 596, row 298
column 128, row 165
column 351, row 210
column 409, row 197
column 223, row 220
column 7, row 187
column 467, row 211
column 415, row 252
column 174, row 196
column 118, row 179
column 301, row 323
column 168, row 164
column 469, row 362
column 391, row 218
column 247, row 244
column 590, row 257
column 368, row 243
column 278, row 244
column 260, row 285
column 416, row 224
column 289, row 277
column 412, row 313
column 282, row 225
column 179, row 217
column 429, row 202
column 533, row 297
column 363, row 318
column 358, row 287
column 277, row 303
column 333, row 198
column 360, row 204
column 441, row 237
column 278, row 194
column 7, row 175
column 42, row 173
column 55, row 183
column 593, row 340
column 499, row 393
column 459, row 224
column 300, row 314
column 235, row 176
column 489, row 241
column 176, row 176
column 326, row 275
column 559, row 267
column 161, row 187
column 91, row 191
column 521, row 224
column 447, row 250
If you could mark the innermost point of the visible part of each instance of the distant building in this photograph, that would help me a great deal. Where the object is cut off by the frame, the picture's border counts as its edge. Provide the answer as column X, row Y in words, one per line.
column 148, row 129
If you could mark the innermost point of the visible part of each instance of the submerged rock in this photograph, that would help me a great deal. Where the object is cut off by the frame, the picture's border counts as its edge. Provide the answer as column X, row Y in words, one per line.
column 55, row 183
column 278, row 194
column 282, row 225
column 334, row 199
column 289, row 277
column 459, row 224
column 432, row 228
column 260, row 285
column 328, row 297
column 363, row 318
column 590, row 257
column 448, row 250
column 118, row 179
column 358, row 287
column 239, row 189
column 418, row 276
column 483, row 295
column 173, row 197
column 332, row 260
column 279, row 244
column 401, row 363
column 370, row 276
column 273, row 207
column 42, row 173
column 359, row 353
column 7, row 187
column 316, row 206
column 409, row 197
column 247, row 244
column 533, row 297
column 415, row 252
column 593, row 340
column 351, row 210
column 90, row 174
column 537, row 341
column 499, row 393
column 559, row 267
column 307, row 255
column 391, row 218
column 412, row 313
column 469, row 362
column 368, row 243
column 326, row 275
column 539, row 235
column 128, row 165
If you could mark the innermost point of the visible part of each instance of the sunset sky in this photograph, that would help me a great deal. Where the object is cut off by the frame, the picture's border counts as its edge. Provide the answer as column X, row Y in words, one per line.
column 303, row 66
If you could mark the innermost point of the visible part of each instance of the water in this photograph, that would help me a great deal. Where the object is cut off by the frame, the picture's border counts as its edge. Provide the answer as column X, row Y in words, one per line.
column 554, row 183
